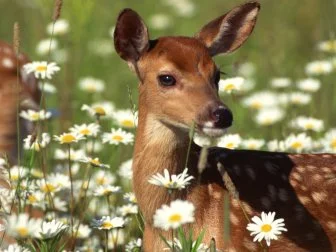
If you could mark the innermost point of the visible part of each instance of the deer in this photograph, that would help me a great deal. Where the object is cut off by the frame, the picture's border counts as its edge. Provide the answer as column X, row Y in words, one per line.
column 178, row 88
column 17, row 89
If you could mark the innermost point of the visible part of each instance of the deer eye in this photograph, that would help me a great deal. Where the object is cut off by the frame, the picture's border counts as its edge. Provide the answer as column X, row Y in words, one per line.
column 167, row 80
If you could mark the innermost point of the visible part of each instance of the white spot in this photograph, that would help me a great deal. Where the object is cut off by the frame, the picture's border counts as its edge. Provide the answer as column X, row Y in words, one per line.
column 271, row 168
column 317, row 177
column 272, row 191
column 251, row 173
column 303, row 188
column 266, row 202
column 304, row 200
column 233, row 218
column 331, row 225
column 326, row 169
column 318, row 197
column 7, row 63
column 296, row 176
column 300, row 169
column 326, row 156
column 311, row 167
column 249, row 244
column 283, row 194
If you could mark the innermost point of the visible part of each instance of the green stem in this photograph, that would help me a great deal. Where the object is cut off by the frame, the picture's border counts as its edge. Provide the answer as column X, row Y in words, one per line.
column 71, row 190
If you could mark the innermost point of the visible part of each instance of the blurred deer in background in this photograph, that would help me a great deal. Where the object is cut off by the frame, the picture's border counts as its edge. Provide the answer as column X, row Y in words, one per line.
column 179, row 87
column 26, row 94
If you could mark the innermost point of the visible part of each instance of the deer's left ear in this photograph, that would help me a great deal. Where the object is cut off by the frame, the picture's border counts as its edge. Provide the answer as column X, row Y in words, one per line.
column 228, row 32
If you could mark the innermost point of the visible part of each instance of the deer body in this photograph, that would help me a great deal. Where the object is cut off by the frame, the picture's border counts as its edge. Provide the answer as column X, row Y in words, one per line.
column 178, row 87
column 12, row 93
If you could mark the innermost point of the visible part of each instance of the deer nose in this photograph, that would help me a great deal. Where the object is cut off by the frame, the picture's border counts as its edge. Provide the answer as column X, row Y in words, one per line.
column 222, row 117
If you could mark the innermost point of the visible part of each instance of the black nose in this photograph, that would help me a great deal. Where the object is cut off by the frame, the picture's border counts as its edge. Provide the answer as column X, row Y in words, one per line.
column 222, row 117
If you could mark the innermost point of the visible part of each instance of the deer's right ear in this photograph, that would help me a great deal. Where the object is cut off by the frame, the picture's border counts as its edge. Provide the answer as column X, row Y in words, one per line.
column 131, row 38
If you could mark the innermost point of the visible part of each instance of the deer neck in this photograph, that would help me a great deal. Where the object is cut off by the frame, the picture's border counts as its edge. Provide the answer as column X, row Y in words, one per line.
column 158, row 146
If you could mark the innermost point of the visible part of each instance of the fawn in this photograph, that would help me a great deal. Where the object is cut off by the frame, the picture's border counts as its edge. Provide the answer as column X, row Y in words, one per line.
column 26, row 93
column 179, row 87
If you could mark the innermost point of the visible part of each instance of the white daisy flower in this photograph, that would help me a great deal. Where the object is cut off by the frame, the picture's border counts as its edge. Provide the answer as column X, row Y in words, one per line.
column 133, row 245
column 253, row 144
column 179, row 248
column 319, row 67
column 309, row 85
column 160, row 21
column 260, row 100
column 276, row 145
column 18, row 172
column 61, row 27
column 281, row 82
column 230, row 141
column 117, row 137
column 299, row 98
column 51, row 229
column 269, row 116
column 329, row 141
column 130, row 197
column 83, row 232
column 48, row 186
column 246, row 69
column 43, row 46
column 125, row 118
column 173, row 181
column 68, row 138
column 16, row 248
column 104, row 108
column 94, row 162
column 59, row 179
column 103, row 178
column 41, row 69
column 34, row 116
column 185, row 8
column 21, row 226
column 105, row 190
column 47, row 87
column 108, row 223
column 327, row 46
column 298, row 143
column 75, row 155
column 128, row 209
column 60, row 205
column 36, row 144
column 307, row 123
column 125, row 169
column 231, row 84
column 173, row 216
column 36, row 198
column 266, row 227
column 91, row 85
column 91, row 129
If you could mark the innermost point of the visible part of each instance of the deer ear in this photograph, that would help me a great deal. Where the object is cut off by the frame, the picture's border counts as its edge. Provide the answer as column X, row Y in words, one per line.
column 228, row 32
column 131, row 37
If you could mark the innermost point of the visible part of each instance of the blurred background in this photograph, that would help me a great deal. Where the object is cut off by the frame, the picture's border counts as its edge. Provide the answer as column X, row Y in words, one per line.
column 285, row 40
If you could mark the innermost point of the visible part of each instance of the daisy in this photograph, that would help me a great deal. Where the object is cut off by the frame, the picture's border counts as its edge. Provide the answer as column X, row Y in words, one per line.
column 327, row 46
column 103, row 178
column 60, row 27
column 36, row 144
column 83, row 231
column 106, row 190
column 319, row 67
column 299, row 98
column 125, row 169
column 16, row 248
column 126, row 118
column 309, row 85
column 133, row 245
column 94, row 162
column 21, row 227
column 246, row 69
column 230, row 141
column 276, row 145
column 173, row 216
column 17, row 172
column 173, row 181
column 160, row 21
column 266, row 227
column 260, row 100
column 91, row 85
column 51, row 229
column 253, row 144
column 91, row 129
column 99, row 109
column 117, row 137
column 43, row 46
column 307, row 123
column 298, row 143
column 128, row 209
column 269, row 116
column 35, row 198
column 130, row 197
column 329, row 141
column 41, row 69
column 281, row 82
column 68, row 138
column 47, row 87
column 231, row 84
column 33, row 116
column 48, row 186
column 75, row 155
column 108, row 223
column 179, row 248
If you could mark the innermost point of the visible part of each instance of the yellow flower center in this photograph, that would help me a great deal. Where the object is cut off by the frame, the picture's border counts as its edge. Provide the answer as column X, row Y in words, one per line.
column 229, row 87
column 35, row 116
column 95, row 161
column 68, row 138
column 36, row 173
column 101, row 181
column 296, row 145
column 91, row 88
column 14, row 177
column 22, row 231
column 175, row 218
column 48, row 188
column 266, row 228
column 107, row 225
column 117, row 138
column 100, row 111
column 41, row 68
column 256, row 105
column 230, row 145
column 127, row 123
column 32, row 199
column 85, row 132
column 333, row 143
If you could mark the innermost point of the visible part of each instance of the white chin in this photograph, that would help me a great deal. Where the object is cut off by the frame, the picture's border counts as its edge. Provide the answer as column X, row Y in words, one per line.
column 213, row 132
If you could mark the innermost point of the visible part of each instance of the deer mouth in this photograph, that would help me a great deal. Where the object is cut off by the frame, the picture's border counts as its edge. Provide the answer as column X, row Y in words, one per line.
column 208, row 129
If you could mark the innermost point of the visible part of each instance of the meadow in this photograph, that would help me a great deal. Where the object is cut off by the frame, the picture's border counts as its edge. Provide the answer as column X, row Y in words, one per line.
column 280, row 87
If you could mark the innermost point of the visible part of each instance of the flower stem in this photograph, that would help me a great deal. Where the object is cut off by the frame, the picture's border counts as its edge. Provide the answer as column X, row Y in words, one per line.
column 71, row 191
column 106, row 240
